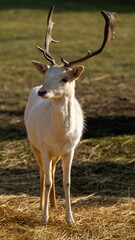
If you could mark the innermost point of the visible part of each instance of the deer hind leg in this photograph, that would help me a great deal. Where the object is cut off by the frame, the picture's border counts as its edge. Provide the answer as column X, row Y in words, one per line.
column 37, row 155
column 52, row 192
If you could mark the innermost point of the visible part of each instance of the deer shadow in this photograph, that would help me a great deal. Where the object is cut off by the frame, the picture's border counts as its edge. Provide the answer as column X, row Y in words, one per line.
column 105, row 126
column 104, row 179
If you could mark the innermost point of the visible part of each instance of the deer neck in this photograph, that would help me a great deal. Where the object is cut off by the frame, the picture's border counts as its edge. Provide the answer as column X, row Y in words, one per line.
column 63, row 116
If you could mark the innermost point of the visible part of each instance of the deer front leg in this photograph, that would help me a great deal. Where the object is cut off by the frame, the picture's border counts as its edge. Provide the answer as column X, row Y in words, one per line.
column 37, row 155
column 42, row 189
column 48, row 184
column 66, row 165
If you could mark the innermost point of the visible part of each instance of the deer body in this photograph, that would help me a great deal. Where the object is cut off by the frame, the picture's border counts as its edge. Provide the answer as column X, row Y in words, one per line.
column 54, row 119
column 60, row 118
column 54, row 125
column 61, row 123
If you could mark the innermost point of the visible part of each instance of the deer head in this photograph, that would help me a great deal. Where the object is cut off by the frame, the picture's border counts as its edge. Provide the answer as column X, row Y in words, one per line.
column 59, row 79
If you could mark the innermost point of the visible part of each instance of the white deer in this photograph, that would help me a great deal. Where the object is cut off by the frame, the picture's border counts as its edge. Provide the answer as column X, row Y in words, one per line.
column 54, row 118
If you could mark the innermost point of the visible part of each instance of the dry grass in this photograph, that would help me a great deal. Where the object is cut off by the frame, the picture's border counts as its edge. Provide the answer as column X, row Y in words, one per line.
column 96, row 217
column 104, row 207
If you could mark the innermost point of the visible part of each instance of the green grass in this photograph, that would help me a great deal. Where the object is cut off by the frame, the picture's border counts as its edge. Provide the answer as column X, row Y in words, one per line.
column 104, row 163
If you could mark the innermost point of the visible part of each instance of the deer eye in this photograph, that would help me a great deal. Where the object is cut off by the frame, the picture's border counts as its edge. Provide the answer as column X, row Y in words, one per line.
column 64, row 80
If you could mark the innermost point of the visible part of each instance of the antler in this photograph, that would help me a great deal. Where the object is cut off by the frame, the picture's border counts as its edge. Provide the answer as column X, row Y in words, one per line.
column 110, row 23
column 48, row 38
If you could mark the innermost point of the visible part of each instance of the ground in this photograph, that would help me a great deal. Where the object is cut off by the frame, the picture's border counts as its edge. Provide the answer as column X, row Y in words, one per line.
column 103, row 184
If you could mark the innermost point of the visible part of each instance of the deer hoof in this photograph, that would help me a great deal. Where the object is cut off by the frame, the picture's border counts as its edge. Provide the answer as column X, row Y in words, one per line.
column 70, row 220
column 44, row 220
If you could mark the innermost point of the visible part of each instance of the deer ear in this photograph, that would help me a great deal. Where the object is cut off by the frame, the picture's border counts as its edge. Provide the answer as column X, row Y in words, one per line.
column 41, row 67
column 76, row 71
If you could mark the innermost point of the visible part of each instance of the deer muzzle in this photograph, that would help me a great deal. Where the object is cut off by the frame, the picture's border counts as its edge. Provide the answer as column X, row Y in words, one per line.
column 41, row 93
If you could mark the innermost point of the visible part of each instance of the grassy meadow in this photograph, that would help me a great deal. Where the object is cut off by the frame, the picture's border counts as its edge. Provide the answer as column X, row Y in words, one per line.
column 103, row 172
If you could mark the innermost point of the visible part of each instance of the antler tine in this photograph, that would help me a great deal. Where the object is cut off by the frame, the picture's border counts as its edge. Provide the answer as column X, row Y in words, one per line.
column 50, row 23
column 48, row 38
column 110, row 23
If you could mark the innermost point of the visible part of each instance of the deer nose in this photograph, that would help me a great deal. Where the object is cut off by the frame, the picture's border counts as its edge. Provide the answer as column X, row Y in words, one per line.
column 42, row 92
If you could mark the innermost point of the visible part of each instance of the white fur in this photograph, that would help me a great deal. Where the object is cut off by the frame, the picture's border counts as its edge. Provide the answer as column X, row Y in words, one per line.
column 54, row 124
